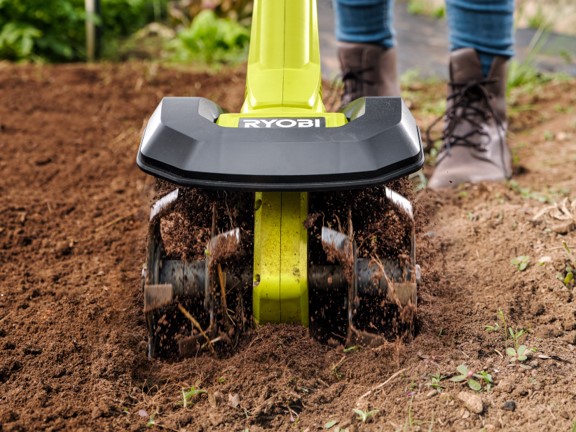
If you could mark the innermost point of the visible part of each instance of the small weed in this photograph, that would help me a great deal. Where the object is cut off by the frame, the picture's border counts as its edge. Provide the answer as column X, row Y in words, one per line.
column 363, row 416
column 435, row 382
column 519, row 354
column 521, row 262
column 548, row 136
column 151, row 422
column 190, row 394
column 492, row 328
column 568, row 276
column 528, row 193
column 351, row 349
column 329, row 424
column 475, row 380
column 498, row 327
column 516, row 335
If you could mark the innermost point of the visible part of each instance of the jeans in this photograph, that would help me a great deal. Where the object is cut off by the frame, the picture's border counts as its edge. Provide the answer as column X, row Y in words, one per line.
column 485, row 25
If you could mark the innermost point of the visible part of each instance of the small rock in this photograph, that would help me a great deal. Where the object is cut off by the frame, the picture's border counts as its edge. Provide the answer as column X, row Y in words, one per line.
column 565, row 415
column 509, row 406
column 505, row 386
column 471, row 402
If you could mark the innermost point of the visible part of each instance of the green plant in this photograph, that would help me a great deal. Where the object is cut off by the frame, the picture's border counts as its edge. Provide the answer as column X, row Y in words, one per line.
column 519, row 354
column 473, row 379
column 421, row 7
column 492, row 328
column 543, row 197
column 190, row 394
column 516, row 335
column 567, row 276
column 363, row 416
column 210, row 39
column 435, row 382
column 39, row 30
column 521, row 262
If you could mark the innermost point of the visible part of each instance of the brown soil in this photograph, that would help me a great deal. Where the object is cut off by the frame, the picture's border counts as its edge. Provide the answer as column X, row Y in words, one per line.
column 73, row 225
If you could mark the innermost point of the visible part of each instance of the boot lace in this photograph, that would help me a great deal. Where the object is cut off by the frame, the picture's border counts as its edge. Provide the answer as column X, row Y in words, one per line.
column 469, row 102
column 353, row 78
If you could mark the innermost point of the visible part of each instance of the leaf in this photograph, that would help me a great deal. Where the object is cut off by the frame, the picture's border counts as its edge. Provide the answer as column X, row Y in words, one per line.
column 458, row 378
column 462, row 369
column 474, row 385
column 511, row 352
column 330, row 424
column 521, row 262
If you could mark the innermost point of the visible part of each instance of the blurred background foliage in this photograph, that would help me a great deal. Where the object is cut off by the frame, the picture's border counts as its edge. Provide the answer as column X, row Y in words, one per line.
column 208, row 31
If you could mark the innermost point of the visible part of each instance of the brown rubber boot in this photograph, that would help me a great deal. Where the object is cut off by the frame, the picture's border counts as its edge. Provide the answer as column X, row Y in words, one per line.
column 367, row 70
column 474, row 138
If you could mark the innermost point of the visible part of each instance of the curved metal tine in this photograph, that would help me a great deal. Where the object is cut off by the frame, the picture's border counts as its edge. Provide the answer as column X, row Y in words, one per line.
column 401, row 202
column 336, row 240
column 164, row 204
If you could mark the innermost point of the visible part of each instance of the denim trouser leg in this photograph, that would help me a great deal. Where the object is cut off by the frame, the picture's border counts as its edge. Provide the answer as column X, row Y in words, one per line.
column 365, row 21
column 486, row 25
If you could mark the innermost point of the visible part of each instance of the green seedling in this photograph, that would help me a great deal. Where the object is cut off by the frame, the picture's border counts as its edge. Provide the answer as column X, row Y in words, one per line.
column 521, row 262
column 363, row 416
column 492, row 329
column 519, row 354
column 527, row 193
column 516, row 336
column 151, row 422
column 435, row 382
column 568, row 277
column 190, row 394
column 330, row 424
column 473, row 379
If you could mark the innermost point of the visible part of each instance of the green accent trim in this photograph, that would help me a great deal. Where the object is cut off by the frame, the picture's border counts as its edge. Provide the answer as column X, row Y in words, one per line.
column 283, row 80
column 284, row 59
column 280, row 258
column 232, row 120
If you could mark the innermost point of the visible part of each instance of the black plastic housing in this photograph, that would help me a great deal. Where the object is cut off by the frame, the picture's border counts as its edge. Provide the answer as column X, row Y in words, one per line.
column 183, row 144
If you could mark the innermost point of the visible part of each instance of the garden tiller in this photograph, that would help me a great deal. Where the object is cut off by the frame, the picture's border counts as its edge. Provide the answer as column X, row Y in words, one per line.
column 288, row 157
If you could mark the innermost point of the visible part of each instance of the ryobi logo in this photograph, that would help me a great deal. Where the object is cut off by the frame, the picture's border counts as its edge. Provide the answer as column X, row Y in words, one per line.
column 283, row 123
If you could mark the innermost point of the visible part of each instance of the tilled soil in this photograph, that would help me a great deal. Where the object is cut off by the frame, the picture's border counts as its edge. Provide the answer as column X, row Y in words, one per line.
column 73, row 226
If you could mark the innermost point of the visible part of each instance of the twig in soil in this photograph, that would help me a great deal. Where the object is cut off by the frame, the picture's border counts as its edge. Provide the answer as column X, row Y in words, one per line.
column 5, row 316
column 373, row 389
column 197, row 325
column 213, row 230
column 339, row 363
column 228, row 210
column 222, row 280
